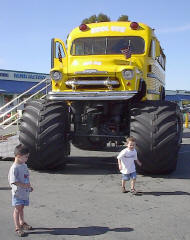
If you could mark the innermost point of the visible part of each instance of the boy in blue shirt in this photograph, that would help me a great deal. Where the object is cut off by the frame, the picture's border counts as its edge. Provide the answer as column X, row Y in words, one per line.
column 18, row 178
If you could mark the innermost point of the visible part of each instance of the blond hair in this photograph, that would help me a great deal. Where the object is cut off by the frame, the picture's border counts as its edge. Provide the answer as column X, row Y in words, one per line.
column 130, row 139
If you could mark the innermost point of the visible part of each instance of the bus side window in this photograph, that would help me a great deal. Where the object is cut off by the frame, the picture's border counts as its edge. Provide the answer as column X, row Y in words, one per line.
column 152, row 52
column 162, row 59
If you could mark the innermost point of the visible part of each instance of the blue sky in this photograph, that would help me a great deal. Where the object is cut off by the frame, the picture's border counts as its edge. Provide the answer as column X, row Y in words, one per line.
column 27, row 27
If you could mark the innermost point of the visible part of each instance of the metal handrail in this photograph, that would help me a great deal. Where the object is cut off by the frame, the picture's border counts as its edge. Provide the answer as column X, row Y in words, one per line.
column 7, row 104
column 21, row 103
column 24, row 101
column 10, row 118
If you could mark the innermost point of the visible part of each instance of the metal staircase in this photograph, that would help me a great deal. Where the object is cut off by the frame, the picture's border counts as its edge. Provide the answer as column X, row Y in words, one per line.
column 10, row 115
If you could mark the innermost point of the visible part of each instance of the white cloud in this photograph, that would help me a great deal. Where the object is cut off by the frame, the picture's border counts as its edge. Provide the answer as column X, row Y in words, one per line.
column 175, row 29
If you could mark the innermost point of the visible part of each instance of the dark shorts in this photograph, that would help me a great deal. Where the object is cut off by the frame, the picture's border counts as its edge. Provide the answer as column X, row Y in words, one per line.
column 127, row 177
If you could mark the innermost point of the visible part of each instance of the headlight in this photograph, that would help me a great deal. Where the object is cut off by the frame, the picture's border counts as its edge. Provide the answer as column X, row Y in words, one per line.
column 128, row 74
column 56, row 75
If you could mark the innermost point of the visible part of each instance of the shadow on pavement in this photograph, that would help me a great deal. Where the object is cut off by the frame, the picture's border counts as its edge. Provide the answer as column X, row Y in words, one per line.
column 79, row 231
column 88, row 166
column 90, row 163
column 175, row 193
column 186, row 135
column 183, row 164
column 5, row 188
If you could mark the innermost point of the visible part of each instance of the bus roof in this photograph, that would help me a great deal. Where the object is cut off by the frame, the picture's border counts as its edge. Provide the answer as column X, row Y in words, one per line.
column 110, row 29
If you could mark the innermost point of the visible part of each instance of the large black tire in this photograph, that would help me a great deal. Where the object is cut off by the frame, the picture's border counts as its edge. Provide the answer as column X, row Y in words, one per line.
column 44, row 130
column 157, row 128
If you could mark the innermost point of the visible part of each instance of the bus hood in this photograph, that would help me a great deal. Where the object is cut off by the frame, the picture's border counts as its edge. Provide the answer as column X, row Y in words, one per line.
column 104, row 65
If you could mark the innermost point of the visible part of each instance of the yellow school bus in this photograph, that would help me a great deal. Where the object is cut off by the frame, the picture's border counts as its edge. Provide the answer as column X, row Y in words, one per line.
column 94, row 61
column 108, row 83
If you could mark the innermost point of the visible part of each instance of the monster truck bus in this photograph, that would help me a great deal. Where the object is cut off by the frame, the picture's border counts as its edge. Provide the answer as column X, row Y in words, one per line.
column 107, row 84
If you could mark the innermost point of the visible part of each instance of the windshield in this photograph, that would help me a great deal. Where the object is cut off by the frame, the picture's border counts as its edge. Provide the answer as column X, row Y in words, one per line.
column 106, row 45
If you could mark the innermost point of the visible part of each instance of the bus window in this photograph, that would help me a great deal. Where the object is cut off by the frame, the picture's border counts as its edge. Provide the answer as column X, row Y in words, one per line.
column 59, row 50
column 153, row 49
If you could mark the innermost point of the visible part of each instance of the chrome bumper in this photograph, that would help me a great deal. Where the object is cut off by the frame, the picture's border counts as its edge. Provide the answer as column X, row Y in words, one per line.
column 83, row 96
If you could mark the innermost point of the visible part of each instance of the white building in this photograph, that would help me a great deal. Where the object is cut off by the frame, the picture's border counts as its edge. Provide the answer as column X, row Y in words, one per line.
column 13, row 83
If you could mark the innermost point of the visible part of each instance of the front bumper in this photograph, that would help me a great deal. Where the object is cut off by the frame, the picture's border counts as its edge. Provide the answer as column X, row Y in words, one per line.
column 83, row 96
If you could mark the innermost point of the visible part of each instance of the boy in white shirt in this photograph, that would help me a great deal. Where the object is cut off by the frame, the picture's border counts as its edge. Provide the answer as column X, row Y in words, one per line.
column 126, row 161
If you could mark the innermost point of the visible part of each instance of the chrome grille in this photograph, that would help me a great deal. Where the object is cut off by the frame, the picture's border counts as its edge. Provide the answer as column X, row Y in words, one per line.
column 92, row 82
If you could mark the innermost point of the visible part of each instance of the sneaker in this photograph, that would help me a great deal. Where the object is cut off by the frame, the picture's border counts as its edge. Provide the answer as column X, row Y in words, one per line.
column 20, row 233
column 25, row 226
column 123, row 190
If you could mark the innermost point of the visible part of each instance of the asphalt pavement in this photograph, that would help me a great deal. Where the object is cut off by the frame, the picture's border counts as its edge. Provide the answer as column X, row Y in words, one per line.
column 84, row 201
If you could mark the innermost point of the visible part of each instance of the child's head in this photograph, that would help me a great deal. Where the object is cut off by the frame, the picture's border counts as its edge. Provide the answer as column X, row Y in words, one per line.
column 130, row 143
column 21, row 153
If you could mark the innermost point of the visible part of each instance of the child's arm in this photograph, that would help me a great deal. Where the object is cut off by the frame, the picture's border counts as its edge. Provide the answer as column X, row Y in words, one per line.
column 23, row 185
column 119, row 164
column 138, row 162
